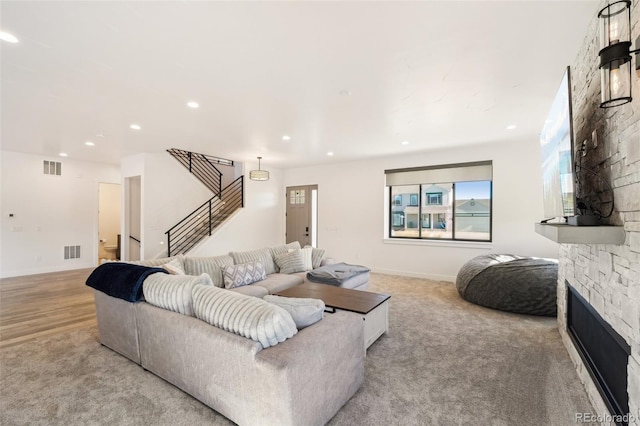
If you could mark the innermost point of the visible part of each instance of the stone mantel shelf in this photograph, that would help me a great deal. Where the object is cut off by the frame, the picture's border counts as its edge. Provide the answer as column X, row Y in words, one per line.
column 567, row 234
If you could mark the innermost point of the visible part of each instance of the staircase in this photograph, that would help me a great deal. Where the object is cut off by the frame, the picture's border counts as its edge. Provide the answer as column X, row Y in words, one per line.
column 202, row 167
column 201, row 223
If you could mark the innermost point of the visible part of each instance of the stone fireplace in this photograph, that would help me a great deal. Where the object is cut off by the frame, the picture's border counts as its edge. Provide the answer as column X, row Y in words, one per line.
column 607, row 276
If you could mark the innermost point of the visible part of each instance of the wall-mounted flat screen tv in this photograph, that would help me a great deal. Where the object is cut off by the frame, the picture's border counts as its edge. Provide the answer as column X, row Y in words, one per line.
column 556, row 142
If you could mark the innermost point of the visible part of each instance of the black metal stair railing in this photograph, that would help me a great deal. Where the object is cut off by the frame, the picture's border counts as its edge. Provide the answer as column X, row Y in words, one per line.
column 202, row 167
column 200, row 223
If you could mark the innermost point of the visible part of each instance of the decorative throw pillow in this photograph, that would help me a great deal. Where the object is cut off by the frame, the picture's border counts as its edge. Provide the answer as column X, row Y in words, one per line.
column 243, row 315
column 303, row 311
column 283, row 249
column 173, row 292
column 262, row 255
column 290, row 262
column 316, row 256
column 174, row 267
column 243, row 274
column 212, row 265
column 306, row 257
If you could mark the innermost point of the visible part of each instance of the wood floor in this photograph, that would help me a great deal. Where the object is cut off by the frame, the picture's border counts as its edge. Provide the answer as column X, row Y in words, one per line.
column 45, row 304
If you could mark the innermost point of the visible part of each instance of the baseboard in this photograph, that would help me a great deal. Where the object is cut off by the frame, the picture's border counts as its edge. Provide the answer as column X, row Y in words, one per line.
column 402, row 273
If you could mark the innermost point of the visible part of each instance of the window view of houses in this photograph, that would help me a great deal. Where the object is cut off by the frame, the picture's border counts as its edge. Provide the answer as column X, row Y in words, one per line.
column 460, row 211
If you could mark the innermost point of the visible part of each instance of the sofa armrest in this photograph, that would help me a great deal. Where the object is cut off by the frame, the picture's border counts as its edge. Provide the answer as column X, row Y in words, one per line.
column 323, row 364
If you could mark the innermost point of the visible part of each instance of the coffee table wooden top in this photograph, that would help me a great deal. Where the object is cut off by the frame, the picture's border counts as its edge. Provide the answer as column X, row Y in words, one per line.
column 346, row 299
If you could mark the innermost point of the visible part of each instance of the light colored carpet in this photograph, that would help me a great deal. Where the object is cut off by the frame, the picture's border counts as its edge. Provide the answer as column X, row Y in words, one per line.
column 443, row 362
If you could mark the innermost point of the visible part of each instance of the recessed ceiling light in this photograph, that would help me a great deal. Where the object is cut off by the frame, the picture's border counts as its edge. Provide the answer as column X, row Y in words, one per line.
column 135, row 127
column 193, row 104
column 63, row 154
column 511, row 127
column 405, row 142
column 330, row 153
column 286, row 138
column 8, row 37
column 89, row 143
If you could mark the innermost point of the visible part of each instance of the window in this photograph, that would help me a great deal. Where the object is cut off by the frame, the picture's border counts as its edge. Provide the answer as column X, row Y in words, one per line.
column 449, row 202
column 433, row 198
column 297, row 197
column 398, row 219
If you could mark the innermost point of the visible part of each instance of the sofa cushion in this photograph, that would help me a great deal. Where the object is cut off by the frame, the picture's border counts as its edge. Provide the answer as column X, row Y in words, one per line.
column 290, row 262
column 212, row 265
column 159, row 262
column 243, row 315
column 279, row 282
column 254, row 290
column 283, row 249
column 173, row 292
column 262, row 255
column 243, row 274
column 304, row 311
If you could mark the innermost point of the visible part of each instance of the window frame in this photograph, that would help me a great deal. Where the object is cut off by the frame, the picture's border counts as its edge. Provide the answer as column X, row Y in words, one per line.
column 453, row 238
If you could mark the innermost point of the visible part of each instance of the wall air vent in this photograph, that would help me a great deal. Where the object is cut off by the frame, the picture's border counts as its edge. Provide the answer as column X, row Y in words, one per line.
column 52, row 168
column 71, row 252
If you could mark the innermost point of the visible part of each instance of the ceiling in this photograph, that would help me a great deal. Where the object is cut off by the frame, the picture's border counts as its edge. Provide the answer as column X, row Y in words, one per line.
column 353, row 78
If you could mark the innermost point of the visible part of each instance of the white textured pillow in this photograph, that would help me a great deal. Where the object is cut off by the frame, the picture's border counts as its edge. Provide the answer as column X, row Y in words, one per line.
column 243, row 315
column 306, row 258
column 290, row 262
column 304, row 311
column 174, row 267
column 317, row 255
column 243, row 274
column 173, row 292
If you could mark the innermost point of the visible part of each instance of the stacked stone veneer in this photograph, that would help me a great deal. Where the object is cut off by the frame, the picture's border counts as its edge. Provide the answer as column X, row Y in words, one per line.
column 608, row 276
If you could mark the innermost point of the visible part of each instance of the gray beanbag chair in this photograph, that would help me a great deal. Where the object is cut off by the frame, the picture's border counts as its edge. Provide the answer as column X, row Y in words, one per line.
column 523, row 285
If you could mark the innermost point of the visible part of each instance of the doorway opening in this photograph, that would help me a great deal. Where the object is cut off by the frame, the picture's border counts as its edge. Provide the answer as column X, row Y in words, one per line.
column 108, row 221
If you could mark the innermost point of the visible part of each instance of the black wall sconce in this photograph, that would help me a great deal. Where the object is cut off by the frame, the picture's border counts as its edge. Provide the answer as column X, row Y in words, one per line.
column 615, row 53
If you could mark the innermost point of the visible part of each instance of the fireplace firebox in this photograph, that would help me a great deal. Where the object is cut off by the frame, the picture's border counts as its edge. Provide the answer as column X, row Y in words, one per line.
column 603, row 351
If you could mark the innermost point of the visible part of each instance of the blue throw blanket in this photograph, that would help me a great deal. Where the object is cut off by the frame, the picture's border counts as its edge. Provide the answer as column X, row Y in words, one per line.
column 121, row 280
column 336, row 273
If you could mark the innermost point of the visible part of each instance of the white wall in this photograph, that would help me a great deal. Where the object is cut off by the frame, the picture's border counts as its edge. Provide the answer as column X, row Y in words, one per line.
column 49, row 213
column 259, row 224
column 351, row 209
column 169, row 193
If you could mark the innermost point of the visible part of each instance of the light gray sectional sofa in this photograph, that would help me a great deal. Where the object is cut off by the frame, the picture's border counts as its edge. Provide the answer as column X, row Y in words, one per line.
column 303, row 380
